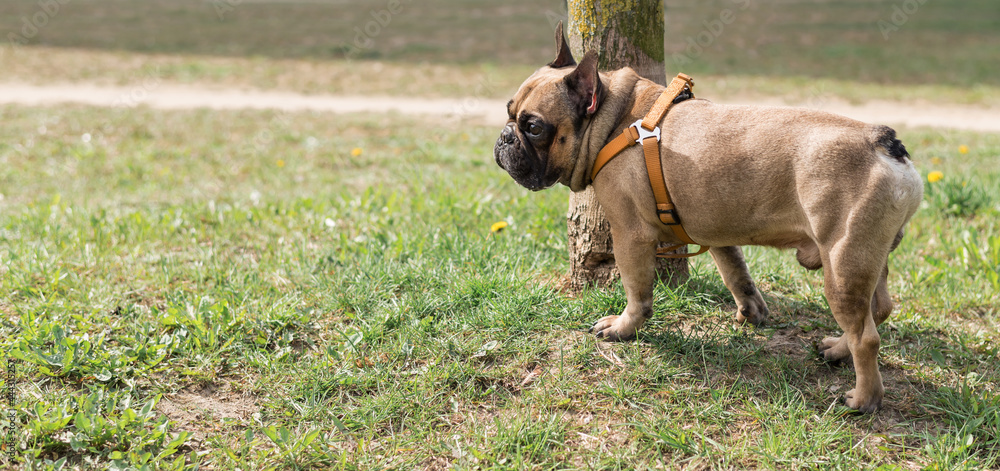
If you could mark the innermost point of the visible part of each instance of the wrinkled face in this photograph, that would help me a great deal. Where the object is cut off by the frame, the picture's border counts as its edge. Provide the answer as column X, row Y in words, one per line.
column 537, row 147
column 547, row 118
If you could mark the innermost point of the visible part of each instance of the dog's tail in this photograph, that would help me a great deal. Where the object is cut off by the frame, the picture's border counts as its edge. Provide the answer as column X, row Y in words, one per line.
column 885, row 137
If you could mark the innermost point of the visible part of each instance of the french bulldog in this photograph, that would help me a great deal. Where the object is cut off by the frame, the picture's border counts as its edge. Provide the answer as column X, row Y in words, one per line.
column 837, row 190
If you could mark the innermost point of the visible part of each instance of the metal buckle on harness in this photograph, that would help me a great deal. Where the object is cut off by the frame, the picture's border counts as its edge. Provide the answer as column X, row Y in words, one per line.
column 643, row 133
column 672, row 213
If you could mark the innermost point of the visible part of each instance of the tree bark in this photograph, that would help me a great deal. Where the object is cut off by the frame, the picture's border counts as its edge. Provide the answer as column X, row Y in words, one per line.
column 626, row 34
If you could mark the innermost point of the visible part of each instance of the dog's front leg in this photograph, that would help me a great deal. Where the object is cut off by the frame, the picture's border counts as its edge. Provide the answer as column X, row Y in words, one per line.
column 750, row 306
column 636, row 259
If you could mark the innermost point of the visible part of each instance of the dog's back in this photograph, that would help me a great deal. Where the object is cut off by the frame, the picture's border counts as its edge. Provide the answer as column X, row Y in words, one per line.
column 783, row 166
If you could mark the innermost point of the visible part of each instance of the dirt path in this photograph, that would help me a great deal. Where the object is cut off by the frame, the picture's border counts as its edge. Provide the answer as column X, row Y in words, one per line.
column 471, row 109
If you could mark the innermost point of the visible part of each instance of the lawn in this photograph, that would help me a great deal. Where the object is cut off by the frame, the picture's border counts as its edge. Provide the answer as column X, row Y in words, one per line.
column 265, row 290
column 260, row 290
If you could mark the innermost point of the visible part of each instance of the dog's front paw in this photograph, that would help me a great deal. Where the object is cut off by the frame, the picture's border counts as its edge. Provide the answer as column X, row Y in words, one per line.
column 613, row 328
column 754, row 311
column 866, row 404
column 835, row 349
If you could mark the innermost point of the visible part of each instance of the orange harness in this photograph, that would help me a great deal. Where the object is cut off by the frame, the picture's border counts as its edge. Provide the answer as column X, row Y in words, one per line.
column 646, row 131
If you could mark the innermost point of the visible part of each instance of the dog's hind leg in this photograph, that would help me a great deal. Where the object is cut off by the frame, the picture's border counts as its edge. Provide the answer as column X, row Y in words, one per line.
column 835, row 349
column 750, row 306
column 850, row 285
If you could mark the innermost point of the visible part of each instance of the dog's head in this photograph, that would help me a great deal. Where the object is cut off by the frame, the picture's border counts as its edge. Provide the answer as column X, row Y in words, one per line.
column 547, row 116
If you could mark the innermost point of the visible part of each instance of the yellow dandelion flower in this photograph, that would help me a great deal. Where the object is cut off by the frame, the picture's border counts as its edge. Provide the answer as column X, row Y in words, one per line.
column 355, row 152
column 936, row 160
column 935, row 176
column 280, row 163
column 963, row 149
column 498, row 226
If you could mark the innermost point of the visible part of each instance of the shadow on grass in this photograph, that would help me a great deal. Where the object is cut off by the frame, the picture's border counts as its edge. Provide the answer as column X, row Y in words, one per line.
column 785, row 350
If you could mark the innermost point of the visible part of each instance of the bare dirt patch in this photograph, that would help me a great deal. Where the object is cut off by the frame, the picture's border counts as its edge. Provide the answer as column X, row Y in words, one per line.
column 791, row 341
column 203, row 409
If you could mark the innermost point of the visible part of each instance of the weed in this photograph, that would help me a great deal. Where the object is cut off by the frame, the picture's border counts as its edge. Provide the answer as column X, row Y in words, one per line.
column 975, row 414
column 104, row 424
column 957, row 198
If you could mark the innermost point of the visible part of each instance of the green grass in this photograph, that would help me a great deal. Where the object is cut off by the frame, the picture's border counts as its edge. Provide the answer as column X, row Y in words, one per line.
column 950, row 42
column 441, row 30
column 258, row 290
column 247, row 290
column 942, row 42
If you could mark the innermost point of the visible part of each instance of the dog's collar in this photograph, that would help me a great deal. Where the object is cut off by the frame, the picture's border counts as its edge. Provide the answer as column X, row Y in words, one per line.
column 646, row 131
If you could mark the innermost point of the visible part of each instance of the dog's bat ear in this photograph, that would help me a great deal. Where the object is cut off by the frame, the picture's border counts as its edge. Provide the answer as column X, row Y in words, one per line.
column 584, row 84
column 564, row 57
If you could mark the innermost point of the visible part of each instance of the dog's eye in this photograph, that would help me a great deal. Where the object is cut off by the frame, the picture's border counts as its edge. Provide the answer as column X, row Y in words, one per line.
column 534, row 130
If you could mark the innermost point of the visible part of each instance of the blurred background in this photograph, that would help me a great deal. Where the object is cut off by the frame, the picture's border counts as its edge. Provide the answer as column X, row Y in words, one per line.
column 948, row 42
column 229, row 227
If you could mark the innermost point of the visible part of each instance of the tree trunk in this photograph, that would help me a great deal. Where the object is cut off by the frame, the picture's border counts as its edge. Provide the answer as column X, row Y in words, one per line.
column 626, row 34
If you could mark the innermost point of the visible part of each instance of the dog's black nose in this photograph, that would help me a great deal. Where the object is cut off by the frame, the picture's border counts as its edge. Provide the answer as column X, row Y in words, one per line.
column 507, row 135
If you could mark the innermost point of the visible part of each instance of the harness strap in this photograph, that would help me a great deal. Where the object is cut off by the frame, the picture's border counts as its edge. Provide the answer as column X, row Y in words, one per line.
column 666, row 100
column 626, row 139
column 647, row 132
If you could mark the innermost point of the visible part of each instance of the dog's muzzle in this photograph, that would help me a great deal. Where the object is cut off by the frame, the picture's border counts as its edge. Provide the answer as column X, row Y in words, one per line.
column 505, row 144
column 520, row 160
